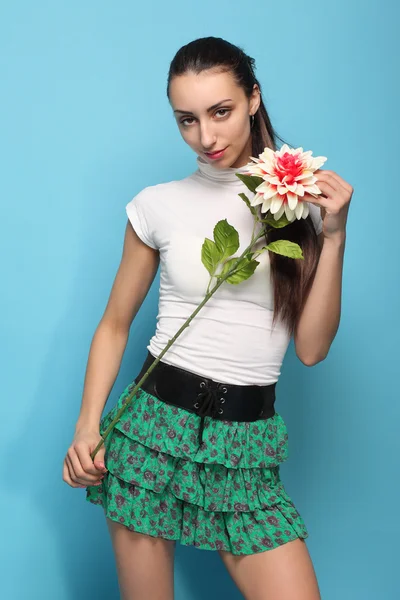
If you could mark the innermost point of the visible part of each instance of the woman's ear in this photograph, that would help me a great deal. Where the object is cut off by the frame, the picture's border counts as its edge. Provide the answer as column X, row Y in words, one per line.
column 255, row 99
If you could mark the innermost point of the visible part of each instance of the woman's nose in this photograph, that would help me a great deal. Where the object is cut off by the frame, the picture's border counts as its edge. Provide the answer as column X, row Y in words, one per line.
column 207, row 136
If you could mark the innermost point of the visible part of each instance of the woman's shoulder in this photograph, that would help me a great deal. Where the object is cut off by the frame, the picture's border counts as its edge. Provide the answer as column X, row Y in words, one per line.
column 173, row 184
column 153, row 208
column 163, row 190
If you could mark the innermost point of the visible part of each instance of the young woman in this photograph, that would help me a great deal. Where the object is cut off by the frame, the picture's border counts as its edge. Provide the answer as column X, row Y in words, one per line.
column 195, row 456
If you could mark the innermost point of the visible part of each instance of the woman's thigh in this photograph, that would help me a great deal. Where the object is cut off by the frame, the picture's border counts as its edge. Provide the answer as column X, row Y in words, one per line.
column 283, row 573
column 145, row 564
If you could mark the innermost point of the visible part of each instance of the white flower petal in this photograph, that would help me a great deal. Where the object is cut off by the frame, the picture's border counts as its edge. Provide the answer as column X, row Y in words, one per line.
column 257, row 199
column 304, row 175
column 267, row 167
column 263, row 187
column 306, row 210
column 270, row 193
column 312, row 189
column 268, row 154
column 289, row 213
column 318, row 161
column 299, row 210
column 272, row 179
column 280, row 212
column 307, row 183
column 284, row 148
column 266, row 205
column 276, row 203
column 292, row 200
column 255, row 170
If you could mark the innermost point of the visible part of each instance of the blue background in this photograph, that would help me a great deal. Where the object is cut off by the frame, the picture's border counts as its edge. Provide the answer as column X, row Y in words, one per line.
column 85, row 125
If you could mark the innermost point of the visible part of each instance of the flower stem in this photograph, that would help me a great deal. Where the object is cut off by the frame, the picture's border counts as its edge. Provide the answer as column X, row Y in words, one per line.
column 172, row 340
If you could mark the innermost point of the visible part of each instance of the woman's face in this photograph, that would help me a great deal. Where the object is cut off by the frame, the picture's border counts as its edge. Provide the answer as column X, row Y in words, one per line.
column 213, row 113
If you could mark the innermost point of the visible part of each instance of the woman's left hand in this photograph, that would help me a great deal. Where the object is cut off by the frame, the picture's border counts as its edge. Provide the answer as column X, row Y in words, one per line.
column 334, row 202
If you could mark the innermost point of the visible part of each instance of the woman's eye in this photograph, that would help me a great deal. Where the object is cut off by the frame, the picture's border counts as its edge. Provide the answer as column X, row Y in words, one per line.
column 183, row 122
column 224, row 110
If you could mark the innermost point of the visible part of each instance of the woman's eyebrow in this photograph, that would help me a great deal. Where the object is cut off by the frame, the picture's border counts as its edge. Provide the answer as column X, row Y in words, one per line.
column 187, row 112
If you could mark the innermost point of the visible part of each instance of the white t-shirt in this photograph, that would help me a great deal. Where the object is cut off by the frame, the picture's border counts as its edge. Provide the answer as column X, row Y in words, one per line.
column 231, row 339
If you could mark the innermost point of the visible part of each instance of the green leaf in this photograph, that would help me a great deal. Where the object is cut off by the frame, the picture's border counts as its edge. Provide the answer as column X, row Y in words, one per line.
column 251, row 181
column 244, row 272
column 281, row 222
column 247, row 201
column 226, row 239
column 244, row 269
column 285, row 248
column 210, row 255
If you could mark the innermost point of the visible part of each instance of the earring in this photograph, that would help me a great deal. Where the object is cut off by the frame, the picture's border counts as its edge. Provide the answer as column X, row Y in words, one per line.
column 251, row 121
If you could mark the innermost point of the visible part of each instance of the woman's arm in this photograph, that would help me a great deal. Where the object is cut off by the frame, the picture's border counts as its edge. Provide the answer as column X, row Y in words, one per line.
column 320, row 318
column 135, row 275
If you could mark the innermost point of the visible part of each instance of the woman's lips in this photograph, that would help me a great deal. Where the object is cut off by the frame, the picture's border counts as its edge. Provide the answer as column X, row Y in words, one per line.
column 215, row 155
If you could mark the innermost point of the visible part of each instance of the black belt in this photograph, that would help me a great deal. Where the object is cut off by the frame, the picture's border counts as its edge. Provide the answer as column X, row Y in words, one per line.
column 206, row 397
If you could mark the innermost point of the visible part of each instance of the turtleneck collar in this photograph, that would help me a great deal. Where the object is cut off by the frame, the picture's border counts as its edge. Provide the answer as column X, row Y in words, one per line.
column 226, row 175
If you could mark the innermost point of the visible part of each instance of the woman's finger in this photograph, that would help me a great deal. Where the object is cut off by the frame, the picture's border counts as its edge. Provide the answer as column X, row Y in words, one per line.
column 326, row 188
column 83, row 452
column 71, row 471
column 79, row 474
column 67, row 476
column 344, row 184
column 81, row 482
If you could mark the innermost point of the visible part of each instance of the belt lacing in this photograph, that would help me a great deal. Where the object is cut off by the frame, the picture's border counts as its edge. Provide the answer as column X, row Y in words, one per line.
column 208, row 402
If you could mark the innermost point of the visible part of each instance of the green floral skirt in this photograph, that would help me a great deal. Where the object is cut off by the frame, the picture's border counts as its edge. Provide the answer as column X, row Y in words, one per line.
column 223, row 495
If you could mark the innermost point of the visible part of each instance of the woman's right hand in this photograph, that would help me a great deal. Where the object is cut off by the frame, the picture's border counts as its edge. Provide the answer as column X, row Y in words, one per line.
column 79, row 470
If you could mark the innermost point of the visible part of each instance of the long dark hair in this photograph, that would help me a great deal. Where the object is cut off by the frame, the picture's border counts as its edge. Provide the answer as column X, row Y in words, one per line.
column 291, row 278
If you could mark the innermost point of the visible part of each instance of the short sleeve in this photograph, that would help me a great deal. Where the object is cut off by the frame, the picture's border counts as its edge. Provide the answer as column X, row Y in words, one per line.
column 138, row 211
column 315, row 214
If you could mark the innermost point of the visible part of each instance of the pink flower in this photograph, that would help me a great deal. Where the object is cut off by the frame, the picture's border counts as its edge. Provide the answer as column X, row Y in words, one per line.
column 288, row 176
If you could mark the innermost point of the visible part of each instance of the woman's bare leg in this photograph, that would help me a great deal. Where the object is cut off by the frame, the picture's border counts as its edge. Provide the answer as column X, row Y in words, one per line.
column 145, row 564
column 283, row 573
